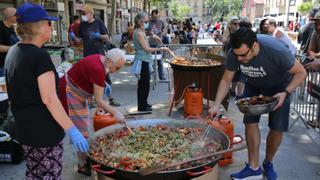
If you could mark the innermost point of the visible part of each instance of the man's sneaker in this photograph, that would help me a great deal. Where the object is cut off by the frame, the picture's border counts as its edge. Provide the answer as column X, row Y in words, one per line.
column 269, row 171
column 248, row 174
column 112, row 102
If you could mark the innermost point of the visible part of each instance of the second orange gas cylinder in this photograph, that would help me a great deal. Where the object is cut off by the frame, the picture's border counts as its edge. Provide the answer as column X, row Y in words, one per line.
column 225, row 125
column 102, row 119
column 193, row 102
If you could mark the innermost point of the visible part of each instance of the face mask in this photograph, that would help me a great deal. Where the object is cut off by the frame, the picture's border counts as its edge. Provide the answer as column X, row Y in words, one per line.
column 146, row 25
column 84, row 18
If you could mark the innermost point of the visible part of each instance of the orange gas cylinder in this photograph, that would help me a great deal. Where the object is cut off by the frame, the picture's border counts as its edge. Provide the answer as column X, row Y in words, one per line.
column 225, row 125
column 193, row 102
column 102, row 119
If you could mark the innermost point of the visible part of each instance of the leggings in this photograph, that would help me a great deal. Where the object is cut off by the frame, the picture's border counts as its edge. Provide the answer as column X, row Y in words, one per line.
column 44, row 163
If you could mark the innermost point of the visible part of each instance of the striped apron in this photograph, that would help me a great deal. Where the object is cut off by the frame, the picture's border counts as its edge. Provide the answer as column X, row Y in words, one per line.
column 77, row 100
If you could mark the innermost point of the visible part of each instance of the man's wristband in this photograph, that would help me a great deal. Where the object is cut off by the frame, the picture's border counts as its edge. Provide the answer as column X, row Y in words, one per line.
column 287, row 92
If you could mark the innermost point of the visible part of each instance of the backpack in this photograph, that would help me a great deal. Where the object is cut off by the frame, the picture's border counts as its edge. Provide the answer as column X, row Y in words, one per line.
column 10, row 150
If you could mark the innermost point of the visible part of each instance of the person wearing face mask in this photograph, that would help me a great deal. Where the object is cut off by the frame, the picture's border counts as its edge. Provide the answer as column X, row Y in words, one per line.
column 93, row 33
column 32, row 80
column 142, row 66
column 84, row 79
column 8, row 36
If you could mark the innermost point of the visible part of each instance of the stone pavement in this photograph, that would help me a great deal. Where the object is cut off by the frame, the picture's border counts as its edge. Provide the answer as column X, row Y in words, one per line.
column 297, row 159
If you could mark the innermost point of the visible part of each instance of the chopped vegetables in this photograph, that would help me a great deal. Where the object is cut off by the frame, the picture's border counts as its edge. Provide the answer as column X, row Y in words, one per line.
column 150, row 146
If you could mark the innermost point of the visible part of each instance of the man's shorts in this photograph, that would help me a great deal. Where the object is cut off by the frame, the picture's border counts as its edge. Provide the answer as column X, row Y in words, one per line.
column 278, row 119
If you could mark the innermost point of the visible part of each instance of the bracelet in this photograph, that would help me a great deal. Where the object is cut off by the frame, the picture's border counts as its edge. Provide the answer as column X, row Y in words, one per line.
column 287, row 92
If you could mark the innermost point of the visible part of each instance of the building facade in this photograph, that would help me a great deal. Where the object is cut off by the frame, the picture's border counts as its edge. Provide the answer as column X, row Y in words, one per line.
column 283, row 11
column 199, row 12
column 252, row 9
column 66, row 9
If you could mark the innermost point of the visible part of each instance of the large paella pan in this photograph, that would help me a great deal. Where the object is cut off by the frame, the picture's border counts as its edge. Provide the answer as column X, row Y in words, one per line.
column 125, row 163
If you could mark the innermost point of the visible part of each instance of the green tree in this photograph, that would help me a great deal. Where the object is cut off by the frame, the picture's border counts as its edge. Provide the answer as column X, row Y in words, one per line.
column 159, row 3
column 224, row 8
column 112, row 24
column 179, row 10
column 304, row 8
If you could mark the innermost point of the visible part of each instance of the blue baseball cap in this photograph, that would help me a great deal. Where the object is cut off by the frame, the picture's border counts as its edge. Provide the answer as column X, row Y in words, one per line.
column 30, row 12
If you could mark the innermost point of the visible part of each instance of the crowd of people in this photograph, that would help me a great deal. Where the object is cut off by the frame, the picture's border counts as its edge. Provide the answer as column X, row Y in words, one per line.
column 261, row 62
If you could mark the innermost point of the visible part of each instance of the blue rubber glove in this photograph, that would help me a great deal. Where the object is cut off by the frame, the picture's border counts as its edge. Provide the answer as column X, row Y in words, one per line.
column 72, row 35
column 79, row 142
column 107, row 90
column 94, row 35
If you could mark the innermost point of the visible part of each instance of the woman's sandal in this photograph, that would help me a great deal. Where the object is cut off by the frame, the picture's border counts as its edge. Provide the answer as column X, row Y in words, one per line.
column 85, row 169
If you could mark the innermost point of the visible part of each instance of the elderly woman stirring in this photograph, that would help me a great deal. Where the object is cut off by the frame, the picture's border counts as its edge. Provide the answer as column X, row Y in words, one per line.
column 84, row 79
column 31, row 79
column 142, row 66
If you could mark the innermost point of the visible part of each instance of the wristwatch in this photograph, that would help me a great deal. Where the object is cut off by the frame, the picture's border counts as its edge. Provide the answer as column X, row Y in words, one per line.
column 287, row 92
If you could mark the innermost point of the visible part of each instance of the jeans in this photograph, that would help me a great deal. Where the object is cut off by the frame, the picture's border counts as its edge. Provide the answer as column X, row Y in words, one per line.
column 160, row 69
column 160, row 65
column 1, row 72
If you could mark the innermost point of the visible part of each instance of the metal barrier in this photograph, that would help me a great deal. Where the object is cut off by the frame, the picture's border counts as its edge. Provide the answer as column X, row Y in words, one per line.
column 194, row 50
column 305, row 101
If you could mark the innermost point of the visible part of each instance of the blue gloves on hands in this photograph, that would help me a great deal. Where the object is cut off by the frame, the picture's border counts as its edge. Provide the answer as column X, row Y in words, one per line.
column 78, row 140
column 72, row 35
column 94, row 35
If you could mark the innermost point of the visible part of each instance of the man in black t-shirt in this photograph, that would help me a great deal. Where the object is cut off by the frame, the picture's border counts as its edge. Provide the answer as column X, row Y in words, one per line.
column 8, row 36
column 93, row 33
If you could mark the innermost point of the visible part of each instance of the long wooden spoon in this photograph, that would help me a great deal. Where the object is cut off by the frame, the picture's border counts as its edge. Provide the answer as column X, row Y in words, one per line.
column 155, row 169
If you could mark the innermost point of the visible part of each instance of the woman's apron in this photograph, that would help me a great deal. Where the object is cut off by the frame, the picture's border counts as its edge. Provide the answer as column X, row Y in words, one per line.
column 77, row 100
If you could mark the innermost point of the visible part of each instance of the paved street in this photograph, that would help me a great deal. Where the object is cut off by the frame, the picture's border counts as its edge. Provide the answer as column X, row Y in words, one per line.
column 297, row 159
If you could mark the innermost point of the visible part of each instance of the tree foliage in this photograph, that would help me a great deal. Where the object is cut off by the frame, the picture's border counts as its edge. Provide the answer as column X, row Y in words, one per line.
column 224, row 8
column 179, row 11
column 304, row 8
column 160, row 3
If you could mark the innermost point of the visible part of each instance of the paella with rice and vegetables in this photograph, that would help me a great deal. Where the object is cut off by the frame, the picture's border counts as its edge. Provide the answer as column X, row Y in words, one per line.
column 149, row 146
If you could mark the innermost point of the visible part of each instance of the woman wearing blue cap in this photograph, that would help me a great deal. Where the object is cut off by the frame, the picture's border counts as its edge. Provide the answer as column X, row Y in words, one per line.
column 41, row 121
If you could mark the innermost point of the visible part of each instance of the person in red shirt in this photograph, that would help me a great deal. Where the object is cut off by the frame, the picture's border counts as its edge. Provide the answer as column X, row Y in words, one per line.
column 84, row 79
column 291, row 26
column 217, row 25
column 74, row 31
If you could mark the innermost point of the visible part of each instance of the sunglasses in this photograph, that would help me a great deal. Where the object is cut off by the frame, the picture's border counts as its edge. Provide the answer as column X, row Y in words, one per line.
column 235, row 23
column 243, row 55
column 49, row 23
